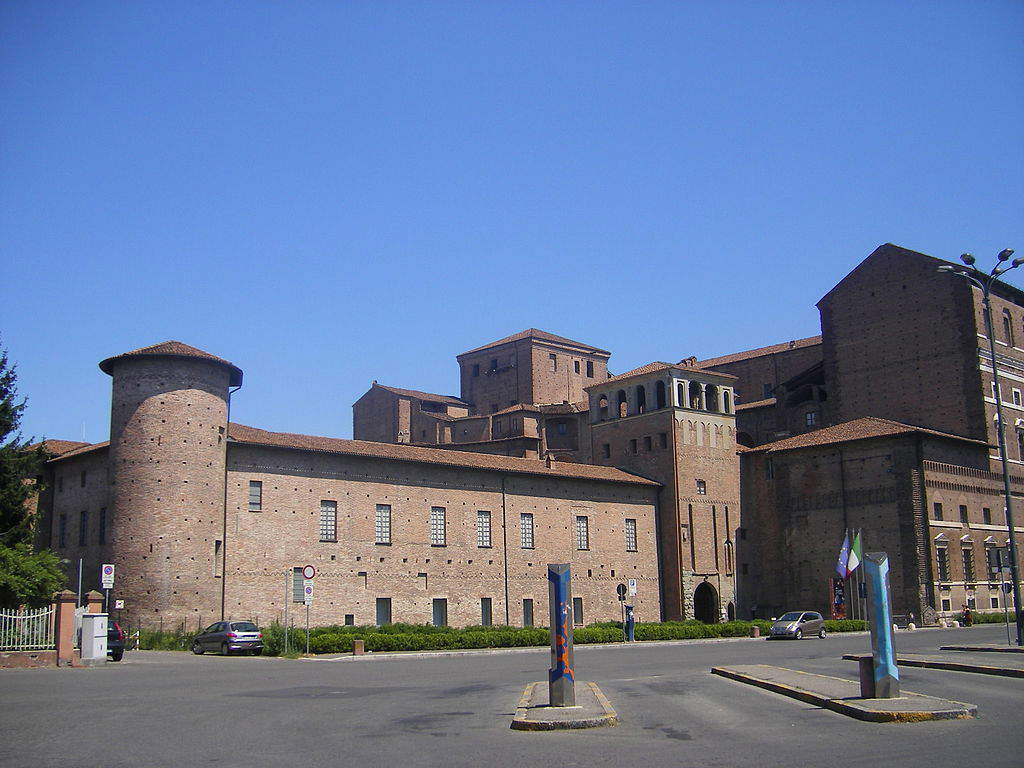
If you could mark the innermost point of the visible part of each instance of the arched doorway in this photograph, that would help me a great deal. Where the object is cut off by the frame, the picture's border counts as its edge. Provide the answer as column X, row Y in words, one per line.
column 705, row 603
column 730, row 611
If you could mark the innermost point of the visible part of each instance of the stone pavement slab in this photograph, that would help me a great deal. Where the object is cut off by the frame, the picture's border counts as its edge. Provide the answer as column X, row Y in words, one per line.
column 592, row 710
column 957, row 661
column 843, row 696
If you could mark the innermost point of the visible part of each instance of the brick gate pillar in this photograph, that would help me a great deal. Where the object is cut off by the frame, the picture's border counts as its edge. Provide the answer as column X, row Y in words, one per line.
column 64, row 626
column 94, row 602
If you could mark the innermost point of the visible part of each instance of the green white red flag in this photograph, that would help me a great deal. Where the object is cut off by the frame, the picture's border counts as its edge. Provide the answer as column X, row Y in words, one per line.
column 855, row 556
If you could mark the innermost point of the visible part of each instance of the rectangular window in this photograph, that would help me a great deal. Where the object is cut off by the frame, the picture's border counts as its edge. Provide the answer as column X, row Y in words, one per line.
column 383, row 611
column 485, row 612
column 62, row 535
column 947, row 604
column 102, row 536
column 438, row 533
column 702, row 488
column 963, row 513
column 769, row 468
column 648, row 444
column 994, row 602
column 494, row 365
column 497, row 426
column 298, row 585
column 663, row 439
column 526, row 530
column 476, row 369
column 942, row 563
column 440, row 612
column 527, row 612
column 554, row 361
column 991, row 562
column 937, row 510
column 606, row 450
column 769, row 390
column 83, row 527
column 350, row 619
column 810, row 418
column 382, row 524
column 632, row 446
column 483, row 528
column 986, row 515
column 255, row 496
column 582, row 532
column 630, row 535
column 590, row 369
column 562, row 428
column 328, row 520
column 577, row 611
column 967, row 553
column 1016, row 397
column 218, row 558
column 83, row 478
column 972, row 602
column 60, row 484
column 576, row 366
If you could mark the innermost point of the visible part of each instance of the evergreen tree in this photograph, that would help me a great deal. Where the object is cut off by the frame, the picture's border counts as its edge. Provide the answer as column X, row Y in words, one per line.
column 26, row 577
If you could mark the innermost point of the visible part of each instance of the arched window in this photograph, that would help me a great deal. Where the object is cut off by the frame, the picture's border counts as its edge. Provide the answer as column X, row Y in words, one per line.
column 696, row 396
column 711, row 403
column 641, row 398
column 1007, row 327
column 681, row 395
column 623, row 404
column 659, row 395
column 726, row 401
column 602, row 407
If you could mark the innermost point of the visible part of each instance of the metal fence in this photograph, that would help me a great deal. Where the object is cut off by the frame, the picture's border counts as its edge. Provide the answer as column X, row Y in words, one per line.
column 27, row 630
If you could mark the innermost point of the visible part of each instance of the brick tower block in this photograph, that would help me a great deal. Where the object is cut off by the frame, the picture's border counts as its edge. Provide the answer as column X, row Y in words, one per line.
column 168, row 442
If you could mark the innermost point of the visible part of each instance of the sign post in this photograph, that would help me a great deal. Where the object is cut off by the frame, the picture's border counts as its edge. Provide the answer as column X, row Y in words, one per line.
column 620, row 590
column 561, row 675
column 107, row 581
column 308, row 572
column 885, row 674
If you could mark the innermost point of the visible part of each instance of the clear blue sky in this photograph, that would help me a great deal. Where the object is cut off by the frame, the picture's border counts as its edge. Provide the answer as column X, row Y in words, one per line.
column 327, row 193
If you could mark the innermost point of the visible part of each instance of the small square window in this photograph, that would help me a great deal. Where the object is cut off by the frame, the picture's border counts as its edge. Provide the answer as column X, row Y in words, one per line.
column 702, row 488
column 810, row 418
column 562, row 428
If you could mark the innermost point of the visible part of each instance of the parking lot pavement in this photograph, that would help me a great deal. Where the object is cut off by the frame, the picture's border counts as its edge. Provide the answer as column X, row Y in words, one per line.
column 170, row 709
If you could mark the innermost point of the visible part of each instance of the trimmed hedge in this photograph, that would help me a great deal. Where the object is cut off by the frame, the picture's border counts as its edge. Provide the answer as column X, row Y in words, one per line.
column 988, row 618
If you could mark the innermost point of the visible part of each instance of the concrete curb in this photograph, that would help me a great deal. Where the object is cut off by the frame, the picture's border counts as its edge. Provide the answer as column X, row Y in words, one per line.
column 522, row 721
column 950, row 666
column 847, row 707
column 983, row 648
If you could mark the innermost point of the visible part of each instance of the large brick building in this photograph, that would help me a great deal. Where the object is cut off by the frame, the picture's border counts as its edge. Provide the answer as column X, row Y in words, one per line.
column 900, row 342
column 203, row 517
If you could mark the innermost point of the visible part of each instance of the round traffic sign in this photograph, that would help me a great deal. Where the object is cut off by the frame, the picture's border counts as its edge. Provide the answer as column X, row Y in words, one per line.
column 309, row 590
column 108, row 569
column 308, row 572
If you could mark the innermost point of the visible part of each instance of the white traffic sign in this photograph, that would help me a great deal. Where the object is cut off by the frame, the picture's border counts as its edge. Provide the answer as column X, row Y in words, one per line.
column 307, row 592
column 118, row 605
column 632, row 587
column 308, row 572
column 107, row 575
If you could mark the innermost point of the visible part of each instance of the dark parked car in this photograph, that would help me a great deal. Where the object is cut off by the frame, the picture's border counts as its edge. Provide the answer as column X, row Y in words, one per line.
column 798, row 624
column 115, row 640
column 228, row 636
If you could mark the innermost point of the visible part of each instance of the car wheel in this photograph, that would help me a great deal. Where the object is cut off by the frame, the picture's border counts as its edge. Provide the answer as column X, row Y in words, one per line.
column 224, row 649
column 117, row 655
column 798, row 635
column 197, row 649
column 821, row 633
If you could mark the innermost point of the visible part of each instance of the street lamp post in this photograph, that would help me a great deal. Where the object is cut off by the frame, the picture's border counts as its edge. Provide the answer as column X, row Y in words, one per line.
column 984, row 282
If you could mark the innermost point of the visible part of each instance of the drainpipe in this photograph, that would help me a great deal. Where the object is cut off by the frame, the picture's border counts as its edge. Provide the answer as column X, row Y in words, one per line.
column 504, row 546
column 224, row 521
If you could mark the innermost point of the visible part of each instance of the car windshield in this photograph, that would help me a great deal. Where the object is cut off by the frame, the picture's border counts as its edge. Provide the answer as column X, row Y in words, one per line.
column 791, row 617
column 244, row 626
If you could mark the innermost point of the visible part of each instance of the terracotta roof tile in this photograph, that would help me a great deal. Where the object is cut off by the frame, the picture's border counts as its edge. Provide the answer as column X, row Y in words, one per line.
column 755, row 404
column 423, row 395
column 736, row 357
column 174, row 349
column 57, row 447
column 534, row 333
column 518, row 407
column 559, row 409
column 859, row 429
column 84, row 449
column 655, row 368
column 243, row 434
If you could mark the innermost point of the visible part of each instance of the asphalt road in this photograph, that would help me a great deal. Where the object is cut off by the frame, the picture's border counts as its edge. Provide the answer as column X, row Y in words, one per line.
column 174, row 709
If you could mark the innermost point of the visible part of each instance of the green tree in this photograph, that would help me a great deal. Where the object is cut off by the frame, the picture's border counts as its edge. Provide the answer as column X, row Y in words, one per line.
column 26, row 576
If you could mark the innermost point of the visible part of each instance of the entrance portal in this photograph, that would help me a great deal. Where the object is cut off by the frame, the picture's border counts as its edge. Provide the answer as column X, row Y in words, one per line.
column 705, row 604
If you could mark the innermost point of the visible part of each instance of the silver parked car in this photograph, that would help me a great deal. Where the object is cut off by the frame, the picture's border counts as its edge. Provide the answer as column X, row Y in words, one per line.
column 798, row 624
column 228, row 636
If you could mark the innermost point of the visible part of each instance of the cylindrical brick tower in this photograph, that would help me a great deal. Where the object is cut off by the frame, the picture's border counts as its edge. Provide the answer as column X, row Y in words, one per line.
column 168, row 443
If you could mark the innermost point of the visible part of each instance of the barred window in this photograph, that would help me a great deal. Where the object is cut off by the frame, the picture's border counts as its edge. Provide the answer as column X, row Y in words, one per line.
column 438, row 534
column 255, row 496
column 702, row 488
column 526, row 530
column 968, row 556
column 582, row 532
column 483, row 528
column 328, row 520
column 382, row 524
column 298, row 585
column 102, row 539
column 630, row 535
column 937, row 510
column 83, row 527
column 942, row 563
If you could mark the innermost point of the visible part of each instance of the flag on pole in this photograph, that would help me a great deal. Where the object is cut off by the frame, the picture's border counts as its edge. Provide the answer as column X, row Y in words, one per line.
column 854, row 557
column 844, row 556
